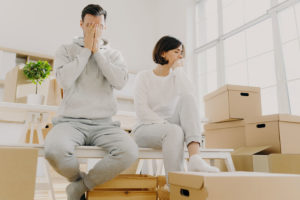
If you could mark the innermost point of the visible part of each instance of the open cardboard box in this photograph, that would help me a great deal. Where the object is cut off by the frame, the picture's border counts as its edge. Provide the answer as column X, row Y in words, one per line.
column 17, row 87
column 259, row 160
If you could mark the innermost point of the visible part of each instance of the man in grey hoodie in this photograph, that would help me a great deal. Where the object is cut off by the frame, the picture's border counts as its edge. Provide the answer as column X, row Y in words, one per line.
column 88, row 70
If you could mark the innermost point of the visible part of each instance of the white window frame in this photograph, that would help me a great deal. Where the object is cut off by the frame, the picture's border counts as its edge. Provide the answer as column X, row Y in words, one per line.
column 272, row 13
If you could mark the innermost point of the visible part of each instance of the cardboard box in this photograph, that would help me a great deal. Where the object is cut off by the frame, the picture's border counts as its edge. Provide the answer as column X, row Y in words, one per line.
column 233, row 186
column 17, row 87
column 225, row 135
column 126, row 186
column 258, row 160
column 18, row 173
column 232, row 102
column 281, row 132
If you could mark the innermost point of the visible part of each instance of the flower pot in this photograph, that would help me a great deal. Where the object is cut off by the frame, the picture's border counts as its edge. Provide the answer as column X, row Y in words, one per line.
column 35, row 99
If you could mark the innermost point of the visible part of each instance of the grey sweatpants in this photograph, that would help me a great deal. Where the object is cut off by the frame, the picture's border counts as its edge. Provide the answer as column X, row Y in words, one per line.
column 183, row 126
column 68, row 133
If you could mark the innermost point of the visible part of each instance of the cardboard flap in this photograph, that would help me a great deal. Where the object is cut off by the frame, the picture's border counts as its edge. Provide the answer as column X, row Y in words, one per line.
column 186, row 179
column 222, row 125
column 249, row 150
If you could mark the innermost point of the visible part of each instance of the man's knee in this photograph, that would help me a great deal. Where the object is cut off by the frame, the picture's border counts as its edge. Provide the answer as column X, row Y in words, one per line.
column 127, row 153
column 57, row 153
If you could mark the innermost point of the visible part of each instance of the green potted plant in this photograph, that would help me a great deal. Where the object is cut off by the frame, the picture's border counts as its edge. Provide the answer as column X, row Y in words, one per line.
column 37, row 72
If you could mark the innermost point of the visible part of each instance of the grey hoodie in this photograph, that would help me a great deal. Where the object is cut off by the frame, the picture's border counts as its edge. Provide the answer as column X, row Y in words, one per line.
column 88, row 79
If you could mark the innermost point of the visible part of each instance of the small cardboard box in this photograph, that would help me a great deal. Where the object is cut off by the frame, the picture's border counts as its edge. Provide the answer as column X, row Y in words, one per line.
column 17, row 87
column 225, row 135
column 126, row 186
column 233, row 186
column 18, row 173
column 232, row 102
column 281, row 132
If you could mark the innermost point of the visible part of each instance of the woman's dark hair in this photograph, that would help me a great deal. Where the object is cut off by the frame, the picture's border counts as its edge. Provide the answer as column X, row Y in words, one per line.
column 165, row 44
column 93, row 9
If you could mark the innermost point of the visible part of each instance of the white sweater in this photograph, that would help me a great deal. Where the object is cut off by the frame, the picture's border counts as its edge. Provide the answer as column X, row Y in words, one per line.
column 156, row 97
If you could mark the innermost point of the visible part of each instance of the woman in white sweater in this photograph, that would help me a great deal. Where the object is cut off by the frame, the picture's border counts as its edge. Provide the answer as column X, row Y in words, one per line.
column 167, row 110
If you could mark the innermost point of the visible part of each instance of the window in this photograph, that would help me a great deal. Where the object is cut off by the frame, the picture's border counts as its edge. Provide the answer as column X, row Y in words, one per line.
column 289, row 22
column 253, row 54
column 249, row 60
column 206, row 21
column 238, row 12
column 207, row 74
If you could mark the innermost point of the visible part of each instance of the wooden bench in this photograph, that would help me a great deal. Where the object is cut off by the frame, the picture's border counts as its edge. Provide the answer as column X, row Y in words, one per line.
column 94, row 152
column 144, row 153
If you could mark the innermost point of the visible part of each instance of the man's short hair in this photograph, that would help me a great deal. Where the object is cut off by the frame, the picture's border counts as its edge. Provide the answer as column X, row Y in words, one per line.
column 165, row 44
column 93, row 9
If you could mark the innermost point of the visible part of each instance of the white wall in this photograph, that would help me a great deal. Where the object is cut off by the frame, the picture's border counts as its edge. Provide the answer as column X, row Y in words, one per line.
column 133, row 25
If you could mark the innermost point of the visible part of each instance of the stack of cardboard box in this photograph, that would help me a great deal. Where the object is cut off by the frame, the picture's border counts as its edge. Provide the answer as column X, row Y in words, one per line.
column 226, row 109
column 262, row 143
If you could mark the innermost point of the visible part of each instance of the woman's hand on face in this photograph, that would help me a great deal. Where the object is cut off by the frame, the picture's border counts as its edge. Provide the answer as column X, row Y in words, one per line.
column 178, row 63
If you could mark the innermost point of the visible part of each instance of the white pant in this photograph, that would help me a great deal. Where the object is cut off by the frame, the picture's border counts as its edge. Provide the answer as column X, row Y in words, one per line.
column 183, row 126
